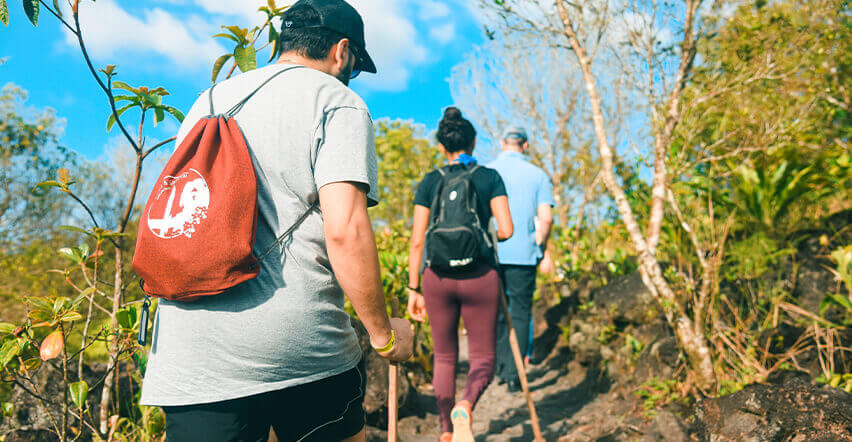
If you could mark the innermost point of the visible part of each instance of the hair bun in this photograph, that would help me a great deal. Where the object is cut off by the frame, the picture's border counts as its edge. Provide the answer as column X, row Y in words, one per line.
column 452, row 113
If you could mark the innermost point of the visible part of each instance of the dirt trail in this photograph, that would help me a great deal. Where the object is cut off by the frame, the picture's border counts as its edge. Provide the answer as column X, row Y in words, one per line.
column 559, row 395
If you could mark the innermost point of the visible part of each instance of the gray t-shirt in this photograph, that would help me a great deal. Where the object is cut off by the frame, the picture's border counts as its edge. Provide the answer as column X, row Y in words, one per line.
column 286, row 327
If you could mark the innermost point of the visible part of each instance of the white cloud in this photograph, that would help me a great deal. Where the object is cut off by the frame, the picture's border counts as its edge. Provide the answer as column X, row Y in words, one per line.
column 431, row 9
column 180, row 31
column 110, row 30
column 443, row 33
column 392, row 41
column 244, row 9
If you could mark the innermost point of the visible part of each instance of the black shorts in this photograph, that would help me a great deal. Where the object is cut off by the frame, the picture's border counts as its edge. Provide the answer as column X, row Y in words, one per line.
column 330, row 409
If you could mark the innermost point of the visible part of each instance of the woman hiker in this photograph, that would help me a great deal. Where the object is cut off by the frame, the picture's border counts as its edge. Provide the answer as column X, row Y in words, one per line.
column 454, row 283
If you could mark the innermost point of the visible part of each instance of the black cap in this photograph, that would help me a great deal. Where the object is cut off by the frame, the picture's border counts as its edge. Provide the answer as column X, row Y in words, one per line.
column 340, row 17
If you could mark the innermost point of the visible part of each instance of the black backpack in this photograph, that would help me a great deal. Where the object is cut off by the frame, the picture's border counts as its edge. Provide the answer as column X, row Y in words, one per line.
column 456, row 240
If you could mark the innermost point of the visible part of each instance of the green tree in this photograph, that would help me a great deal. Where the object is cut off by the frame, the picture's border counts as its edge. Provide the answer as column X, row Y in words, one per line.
column 28, row 152
column 405, row 156
column 767, row 121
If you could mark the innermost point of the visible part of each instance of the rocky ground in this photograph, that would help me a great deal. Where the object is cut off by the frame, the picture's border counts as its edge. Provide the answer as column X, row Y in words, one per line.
column 584, row 382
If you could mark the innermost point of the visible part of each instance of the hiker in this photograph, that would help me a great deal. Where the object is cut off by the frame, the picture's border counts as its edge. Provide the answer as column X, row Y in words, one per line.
column 531, row 202
column 453, row 207
column 279, row 350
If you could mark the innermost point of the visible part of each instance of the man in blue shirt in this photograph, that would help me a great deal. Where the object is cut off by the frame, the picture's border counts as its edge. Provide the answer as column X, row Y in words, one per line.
column 530, row 202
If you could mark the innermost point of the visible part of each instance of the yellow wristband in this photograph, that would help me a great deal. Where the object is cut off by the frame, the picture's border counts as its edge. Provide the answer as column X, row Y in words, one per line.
column 389, row 346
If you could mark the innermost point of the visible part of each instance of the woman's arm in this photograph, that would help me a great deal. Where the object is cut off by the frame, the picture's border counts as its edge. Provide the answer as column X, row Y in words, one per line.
column 500, row 209
column 418, row 238
column 416, row 306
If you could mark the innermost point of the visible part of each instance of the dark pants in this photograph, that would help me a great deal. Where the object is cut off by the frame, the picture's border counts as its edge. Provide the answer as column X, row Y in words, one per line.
column 326, row 410
column 519, row 282
column 474, row 298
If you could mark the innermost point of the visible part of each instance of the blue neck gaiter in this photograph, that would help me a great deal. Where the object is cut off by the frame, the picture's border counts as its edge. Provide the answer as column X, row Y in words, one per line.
column 465, row 159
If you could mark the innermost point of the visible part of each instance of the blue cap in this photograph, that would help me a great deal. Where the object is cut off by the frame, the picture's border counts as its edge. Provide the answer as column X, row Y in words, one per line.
column 515, row 133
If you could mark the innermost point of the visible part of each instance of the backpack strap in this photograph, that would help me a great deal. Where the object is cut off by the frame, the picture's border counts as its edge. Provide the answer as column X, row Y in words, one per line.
column 289, row 232
column 239, row 106
column 210, row 96
column 436, row 198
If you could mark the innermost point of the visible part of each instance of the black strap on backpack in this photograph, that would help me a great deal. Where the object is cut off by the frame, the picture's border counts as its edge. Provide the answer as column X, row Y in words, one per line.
column 435, row 211
column 232, row 113
column 454, row 243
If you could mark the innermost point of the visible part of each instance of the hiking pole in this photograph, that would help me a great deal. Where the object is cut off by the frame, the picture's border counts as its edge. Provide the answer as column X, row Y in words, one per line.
column 393, row 371
column 519, row 363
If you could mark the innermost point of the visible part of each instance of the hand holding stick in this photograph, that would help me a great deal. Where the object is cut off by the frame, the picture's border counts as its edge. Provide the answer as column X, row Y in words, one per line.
column 393, row 372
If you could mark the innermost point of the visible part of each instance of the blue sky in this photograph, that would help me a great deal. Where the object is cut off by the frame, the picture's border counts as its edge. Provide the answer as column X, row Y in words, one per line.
column 168, row 43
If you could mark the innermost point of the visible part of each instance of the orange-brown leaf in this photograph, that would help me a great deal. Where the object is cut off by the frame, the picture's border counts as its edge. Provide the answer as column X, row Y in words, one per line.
column 52, row 346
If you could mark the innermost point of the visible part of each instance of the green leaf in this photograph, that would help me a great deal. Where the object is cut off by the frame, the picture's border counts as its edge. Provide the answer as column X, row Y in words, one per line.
column 238, row 32
column 60, row 303
column 10, row 350
column 6, row 328
column 159, row 115
column 7, row 408
column 71, row 317
column 41, row 304
column 44, row 185
column 76, row 230
column 246, row 58
column 125, row 86
column 67, row 253
column 4, row 13
column 217, row 67
column 132, row 98
column 126, row 318
column 152, row 99
column 273, row 38
column 57, row 8
column 140, row 358
column 41, row 316
column 79, row 392
column 224, row 35
column 175, row 113
column 32, row 364
column 111, row 119
column 31, row 9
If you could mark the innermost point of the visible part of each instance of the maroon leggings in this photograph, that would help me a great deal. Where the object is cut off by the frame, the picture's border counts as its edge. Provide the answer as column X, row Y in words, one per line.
column 475, row 296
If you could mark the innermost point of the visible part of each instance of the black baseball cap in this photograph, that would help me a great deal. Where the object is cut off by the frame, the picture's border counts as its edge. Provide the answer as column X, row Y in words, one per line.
column 340, row 17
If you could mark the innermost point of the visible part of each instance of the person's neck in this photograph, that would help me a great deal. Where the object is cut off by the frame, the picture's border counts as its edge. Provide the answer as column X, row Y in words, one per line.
column 513, row 149
column 454, row 156
column 295, row 58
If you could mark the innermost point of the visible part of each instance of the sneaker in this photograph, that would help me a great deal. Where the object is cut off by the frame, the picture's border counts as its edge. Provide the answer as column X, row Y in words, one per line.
column 462, row 431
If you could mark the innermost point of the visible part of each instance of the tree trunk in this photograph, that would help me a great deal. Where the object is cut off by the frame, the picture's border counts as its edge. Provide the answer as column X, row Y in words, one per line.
column 693, row 344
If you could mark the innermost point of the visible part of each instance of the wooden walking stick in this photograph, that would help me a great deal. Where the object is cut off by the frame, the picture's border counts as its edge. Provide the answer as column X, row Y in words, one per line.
column 519, row 363
column 393, row 371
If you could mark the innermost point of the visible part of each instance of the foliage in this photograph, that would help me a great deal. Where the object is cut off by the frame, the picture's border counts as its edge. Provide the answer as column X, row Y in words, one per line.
column 143, row 98
column 393, row 242
column 581, row 255
column 28, row 152
column 102, row 313
column 657, row 393
column 245, row 52
column 405, row 156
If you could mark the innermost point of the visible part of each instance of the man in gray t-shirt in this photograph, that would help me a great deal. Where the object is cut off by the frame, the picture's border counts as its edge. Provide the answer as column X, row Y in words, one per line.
column 279, row 351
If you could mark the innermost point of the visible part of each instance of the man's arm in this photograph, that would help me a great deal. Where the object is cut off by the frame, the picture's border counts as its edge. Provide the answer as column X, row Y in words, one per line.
column 545, row 223
column 355, row 262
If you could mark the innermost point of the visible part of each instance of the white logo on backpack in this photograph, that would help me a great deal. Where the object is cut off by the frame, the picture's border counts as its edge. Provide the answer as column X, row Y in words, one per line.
column 460, row 262
column 193, row 198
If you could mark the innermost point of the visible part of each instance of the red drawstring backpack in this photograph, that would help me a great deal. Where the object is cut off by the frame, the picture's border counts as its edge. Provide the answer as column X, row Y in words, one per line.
column 197, row 232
